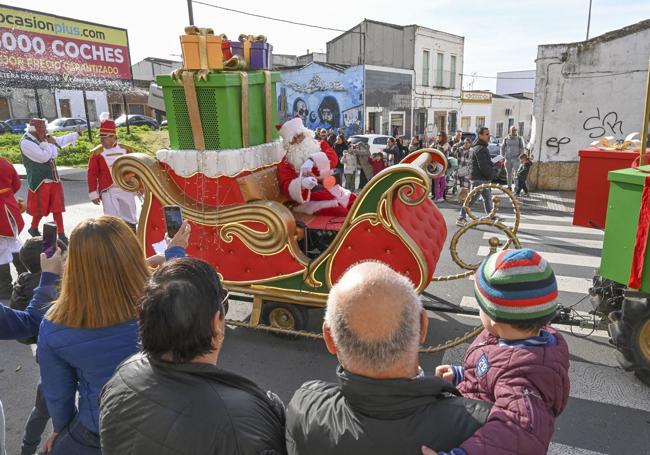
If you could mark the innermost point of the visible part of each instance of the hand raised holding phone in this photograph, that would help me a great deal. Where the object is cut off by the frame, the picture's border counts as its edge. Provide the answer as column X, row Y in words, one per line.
column 52, row 264
column 182, row 237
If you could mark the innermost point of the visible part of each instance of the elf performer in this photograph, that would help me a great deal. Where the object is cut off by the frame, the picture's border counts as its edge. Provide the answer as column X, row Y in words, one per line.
column 39, row 151
column 11, row 223
column 307, row 164
column 114, row 200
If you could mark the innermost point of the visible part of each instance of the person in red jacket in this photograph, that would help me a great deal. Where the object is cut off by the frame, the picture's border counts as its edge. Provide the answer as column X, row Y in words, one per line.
column 114, row 200
column 307, row 164
column 11, row 223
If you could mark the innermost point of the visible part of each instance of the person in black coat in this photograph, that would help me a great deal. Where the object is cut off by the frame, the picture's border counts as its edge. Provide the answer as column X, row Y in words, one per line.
column 482, row 171
column 172, row 398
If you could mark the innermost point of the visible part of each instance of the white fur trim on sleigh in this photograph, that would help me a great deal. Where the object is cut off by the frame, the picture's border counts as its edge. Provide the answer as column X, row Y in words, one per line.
column 215, row 163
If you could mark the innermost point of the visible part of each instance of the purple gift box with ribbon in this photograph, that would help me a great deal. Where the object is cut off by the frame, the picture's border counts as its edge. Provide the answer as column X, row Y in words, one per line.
column 257, row 53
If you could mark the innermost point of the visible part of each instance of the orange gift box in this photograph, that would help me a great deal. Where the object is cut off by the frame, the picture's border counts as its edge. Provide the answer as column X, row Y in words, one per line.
column 201, row 49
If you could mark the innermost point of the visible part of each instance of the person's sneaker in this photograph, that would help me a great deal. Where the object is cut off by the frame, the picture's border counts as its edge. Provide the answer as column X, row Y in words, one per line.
column 461, row 222
column 33, row 232
column 63, row 238
column 440, row 199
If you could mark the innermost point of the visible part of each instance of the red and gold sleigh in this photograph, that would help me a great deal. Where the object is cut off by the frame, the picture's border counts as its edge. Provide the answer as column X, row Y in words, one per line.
column 241, row 225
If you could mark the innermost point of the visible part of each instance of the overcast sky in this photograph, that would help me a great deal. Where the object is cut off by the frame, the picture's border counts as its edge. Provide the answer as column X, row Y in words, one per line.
column 500, row 35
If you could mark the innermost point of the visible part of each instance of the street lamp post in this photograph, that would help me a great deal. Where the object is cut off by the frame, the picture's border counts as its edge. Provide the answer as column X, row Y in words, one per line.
column 589, row 19
column 190, row 12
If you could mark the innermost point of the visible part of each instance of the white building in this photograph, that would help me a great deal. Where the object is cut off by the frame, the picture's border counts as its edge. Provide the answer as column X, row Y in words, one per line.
column 497, row 112
column 70, row 103
column 586, row 90
column 515, row 82
column 435, row 57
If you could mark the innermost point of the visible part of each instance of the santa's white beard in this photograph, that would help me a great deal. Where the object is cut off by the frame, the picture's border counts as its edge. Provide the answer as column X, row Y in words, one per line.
column 299, row 153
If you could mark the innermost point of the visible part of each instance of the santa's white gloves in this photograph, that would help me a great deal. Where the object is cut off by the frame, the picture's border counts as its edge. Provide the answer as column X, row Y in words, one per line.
column 309, row 182
column 307, row 166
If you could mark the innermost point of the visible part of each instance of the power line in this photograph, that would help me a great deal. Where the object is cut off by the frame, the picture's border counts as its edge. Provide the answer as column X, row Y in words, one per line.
column 261, row 16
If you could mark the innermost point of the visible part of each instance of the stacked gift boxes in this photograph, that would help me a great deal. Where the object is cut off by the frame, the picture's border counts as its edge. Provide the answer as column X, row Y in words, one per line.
column 224, row 77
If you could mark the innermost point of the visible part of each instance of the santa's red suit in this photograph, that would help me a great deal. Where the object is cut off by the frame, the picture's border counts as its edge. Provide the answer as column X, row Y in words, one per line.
column 332, row 201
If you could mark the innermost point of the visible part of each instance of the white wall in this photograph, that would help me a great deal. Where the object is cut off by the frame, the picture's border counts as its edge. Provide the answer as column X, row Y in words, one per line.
column 426, row 96
column 77, row 102
column 515, row 82
column 521, row 111
column 474, row 110
column 589, row 89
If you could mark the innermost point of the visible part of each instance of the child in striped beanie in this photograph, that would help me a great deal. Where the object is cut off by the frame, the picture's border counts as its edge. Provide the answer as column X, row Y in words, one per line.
column 517, row 363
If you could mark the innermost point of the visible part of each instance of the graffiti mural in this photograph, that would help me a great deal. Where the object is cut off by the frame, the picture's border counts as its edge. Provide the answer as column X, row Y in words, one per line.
column 323, row 96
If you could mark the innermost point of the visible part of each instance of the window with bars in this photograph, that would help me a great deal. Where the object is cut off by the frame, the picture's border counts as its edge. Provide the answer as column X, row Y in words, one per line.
column 499, row 129
column 439, row 69
column 521, row 128
column 452, row 75
column 425, row 67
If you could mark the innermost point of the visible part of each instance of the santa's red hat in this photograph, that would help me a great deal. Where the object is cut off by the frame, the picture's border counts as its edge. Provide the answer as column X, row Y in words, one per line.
column 291, row 128
column 107, row 126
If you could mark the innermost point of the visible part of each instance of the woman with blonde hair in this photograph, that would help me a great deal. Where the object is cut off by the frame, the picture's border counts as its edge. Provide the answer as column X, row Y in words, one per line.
column 92, row 326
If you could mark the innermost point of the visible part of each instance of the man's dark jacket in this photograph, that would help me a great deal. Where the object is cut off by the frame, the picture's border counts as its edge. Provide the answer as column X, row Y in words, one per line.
column 151, row 407
column 481, row 164
column 364, row 416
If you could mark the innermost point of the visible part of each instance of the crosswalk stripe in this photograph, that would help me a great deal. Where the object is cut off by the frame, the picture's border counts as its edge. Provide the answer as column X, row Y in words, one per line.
column 573, row 284
column 551, row 218
column 555, row 241
column 568, row 229
column 556, row 448
column 580, row 260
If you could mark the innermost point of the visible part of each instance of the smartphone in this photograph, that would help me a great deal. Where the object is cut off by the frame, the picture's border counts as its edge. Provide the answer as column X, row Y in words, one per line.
column 173, row 219
column 49, row 239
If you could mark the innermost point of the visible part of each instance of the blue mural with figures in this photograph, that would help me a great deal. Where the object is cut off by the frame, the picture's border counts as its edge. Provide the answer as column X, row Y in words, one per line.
column 323, row 96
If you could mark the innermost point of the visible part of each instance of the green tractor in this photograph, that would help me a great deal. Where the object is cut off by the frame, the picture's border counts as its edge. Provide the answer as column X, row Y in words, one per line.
column 620, row 294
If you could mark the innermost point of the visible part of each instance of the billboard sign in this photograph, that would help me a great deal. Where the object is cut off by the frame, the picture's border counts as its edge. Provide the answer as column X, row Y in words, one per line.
column 44, row 50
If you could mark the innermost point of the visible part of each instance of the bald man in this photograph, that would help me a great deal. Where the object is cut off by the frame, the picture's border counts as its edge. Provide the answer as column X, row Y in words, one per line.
column 383, row 403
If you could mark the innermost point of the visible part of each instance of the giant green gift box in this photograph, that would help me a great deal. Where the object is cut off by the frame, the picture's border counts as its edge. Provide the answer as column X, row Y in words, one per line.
column 625, row 190
column 219, row 100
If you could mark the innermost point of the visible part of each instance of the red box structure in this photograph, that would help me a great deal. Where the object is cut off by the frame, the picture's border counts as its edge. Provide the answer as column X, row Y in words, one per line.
column 592, row 192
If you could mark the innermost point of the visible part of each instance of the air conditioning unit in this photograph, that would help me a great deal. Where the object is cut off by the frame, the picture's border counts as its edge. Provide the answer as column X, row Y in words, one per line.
column 508, row 111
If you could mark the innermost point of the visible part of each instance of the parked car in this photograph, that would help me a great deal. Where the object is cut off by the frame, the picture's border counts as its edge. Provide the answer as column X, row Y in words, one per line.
column 4, row 128
column 377, row 142
column 163, row 123
column 137, row 120
column 471, row 136
column 65, row 124
column 494, row 146
column 17, row 125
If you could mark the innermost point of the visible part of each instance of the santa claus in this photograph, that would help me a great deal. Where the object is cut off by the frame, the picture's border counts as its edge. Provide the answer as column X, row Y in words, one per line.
column 305, row 173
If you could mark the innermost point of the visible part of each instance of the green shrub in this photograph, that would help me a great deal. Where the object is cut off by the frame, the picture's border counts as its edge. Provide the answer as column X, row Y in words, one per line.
column 141, row 138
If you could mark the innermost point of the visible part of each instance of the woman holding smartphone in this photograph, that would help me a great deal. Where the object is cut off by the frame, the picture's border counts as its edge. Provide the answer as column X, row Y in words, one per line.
column 92, row 326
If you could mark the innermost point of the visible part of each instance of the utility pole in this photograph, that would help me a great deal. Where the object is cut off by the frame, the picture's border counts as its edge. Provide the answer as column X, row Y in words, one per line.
column 589, row 19
column 190, row 12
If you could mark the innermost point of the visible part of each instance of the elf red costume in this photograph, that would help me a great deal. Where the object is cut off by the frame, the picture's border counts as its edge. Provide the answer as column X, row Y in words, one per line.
column 39, row 151
column 306, row 164
column 11, row 223
column 114, row 200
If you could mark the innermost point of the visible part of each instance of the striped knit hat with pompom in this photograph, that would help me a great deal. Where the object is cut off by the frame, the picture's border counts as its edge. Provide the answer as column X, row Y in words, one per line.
column 516, row 286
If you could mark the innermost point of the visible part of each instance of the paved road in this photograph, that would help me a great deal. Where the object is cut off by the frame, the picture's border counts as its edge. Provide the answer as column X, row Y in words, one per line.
column 609, row 410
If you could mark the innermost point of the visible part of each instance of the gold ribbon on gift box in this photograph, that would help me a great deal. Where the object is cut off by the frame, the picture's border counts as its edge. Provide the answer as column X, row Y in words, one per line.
column 610, row 143
column 192, row 103
column 209, row 49
column 247, row 41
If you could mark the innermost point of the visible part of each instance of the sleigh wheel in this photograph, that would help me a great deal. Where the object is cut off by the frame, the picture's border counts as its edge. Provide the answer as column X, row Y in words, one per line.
column 285, row 316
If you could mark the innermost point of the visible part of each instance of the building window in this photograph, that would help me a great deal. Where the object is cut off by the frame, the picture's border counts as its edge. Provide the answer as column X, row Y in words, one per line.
column 421, row 123
column 452, row 120
column 136, row 109
column 480, row 122
column 499, row 129
column 116, row 110
column 425, row 68
column 465, row 123
column 521, row 129
column 439, row 69
column 452, row 72
column 511, row 122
